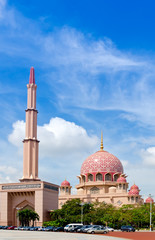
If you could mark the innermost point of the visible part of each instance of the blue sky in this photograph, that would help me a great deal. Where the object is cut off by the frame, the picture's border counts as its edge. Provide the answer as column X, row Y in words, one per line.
column 95, row 69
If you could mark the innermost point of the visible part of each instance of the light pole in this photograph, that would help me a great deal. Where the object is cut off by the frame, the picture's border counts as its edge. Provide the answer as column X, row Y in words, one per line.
column 18, row 216
column 82, row 212
column 150, row 212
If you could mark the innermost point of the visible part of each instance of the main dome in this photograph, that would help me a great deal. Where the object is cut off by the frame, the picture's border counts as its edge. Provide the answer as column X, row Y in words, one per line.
column 101, row 161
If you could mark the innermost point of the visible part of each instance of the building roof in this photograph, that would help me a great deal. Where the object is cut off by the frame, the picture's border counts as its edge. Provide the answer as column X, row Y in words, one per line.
column 65, row 183
column 102, row 161
column 149, row 200
column 121, row 179
column 134, row 190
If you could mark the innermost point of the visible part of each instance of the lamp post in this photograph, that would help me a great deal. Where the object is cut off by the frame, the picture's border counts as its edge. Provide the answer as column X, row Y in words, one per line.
column 82, row 212
column 18, row 216
column 150, row 212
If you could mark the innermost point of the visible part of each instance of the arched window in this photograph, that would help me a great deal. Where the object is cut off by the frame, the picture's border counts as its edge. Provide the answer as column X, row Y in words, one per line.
column 99, row 177
column 63, row 189
column 94, row 190
column 66, row 189
column 116, row 176
column 90, row 178
column 108, row 177
column 123, row 186
column 83, row 178
column 120, row 186
column 132, row 199
column 136, row 199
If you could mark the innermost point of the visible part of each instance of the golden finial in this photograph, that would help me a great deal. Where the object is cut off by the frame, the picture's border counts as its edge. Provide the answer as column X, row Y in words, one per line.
column 101, row 147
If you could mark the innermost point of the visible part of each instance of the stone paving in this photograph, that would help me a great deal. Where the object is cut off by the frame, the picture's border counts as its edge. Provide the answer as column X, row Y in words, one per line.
column 27, row 235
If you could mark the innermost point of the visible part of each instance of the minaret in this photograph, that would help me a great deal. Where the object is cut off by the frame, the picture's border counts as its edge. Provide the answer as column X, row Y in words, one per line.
column 31, row 144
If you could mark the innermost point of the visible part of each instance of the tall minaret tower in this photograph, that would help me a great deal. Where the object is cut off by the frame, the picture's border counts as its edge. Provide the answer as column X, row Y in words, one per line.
column 31, row 144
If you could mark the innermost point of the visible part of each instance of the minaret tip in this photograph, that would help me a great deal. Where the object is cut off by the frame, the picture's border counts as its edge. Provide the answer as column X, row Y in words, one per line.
column 32, row 76
column 101, row 147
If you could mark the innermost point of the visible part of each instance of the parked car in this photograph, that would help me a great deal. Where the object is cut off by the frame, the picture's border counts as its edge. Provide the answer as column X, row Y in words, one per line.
column 17, row 228
column 11, row 227
column 33, row 228
column 49, row 228
column 75, row 228
column 5, row 227
column 99, row 229
column 90, row 227
column 127, row 229
column 26, row 228
column 71, row 225
column 58, row 229
column 109, row 229
column 83, row 228
column 41, row 229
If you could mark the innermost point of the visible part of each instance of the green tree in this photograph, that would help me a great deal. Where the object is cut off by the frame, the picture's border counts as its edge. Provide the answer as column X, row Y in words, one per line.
column 26, row 216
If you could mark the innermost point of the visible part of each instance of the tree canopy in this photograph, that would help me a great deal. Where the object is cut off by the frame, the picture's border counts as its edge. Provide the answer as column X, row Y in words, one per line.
column 26, row 216
column 102, row 213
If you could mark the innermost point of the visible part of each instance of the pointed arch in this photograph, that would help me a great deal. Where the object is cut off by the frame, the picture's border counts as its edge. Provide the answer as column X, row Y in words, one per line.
column 90, row 177
column 99, row 177
column 108, row 177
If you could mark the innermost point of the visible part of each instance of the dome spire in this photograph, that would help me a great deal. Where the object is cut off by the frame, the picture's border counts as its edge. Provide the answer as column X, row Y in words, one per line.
column 101, row 147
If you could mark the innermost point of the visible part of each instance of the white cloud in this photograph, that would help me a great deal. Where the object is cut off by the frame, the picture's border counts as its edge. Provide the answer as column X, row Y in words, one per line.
column 148, row 156
column 63, row 147
column 18, row 133
column 58, row 137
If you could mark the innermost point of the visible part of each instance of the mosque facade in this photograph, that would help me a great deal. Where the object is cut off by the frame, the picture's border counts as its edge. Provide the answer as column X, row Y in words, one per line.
column 102, row 179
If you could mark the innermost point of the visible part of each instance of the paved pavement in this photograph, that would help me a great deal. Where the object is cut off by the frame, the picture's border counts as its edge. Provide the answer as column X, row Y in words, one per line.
column 27, row 235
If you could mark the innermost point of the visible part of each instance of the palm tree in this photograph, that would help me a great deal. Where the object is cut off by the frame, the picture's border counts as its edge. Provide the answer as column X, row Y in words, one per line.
column 26, row 216
column 34, row 216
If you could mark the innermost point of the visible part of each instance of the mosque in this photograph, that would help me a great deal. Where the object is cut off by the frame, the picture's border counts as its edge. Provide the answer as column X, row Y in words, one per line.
column 101, row 179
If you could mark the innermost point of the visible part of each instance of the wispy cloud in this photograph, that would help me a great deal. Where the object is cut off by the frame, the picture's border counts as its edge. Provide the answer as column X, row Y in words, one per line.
column 85, row 72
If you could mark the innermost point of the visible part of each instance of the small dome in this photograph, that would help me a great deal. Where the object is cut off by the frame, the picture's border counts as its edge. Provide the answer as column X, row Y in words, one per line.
column 65, row 183
column 121, row 180
column 102, row 162
column 133, row 192
column 149, row 200
column 134, row 187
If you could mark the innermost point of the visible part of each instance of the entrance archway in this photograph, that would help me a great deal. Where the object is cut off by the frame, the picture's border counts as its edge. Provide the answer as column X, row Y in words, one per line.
column 21, row 206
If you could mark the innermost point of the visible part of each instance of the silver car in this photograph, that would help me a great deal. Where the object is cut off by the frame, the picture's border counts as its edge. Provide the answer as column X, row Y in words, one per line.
column 99, row 229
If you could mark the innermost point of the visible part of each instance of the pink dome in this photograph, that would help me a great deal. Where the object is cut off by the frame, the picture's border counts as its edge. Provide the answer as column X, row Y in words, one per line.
column 121, row 180
column 149, row 199
column 101, row 161
column 65, row 183
column 133, row 192
column 134, row 187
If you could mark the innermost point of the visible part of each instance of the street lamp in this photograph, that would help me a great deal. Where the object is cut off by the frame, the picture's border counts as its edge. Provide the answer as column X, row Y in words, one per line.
column 82, row 212
column 150, row 212
column 17, row 208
